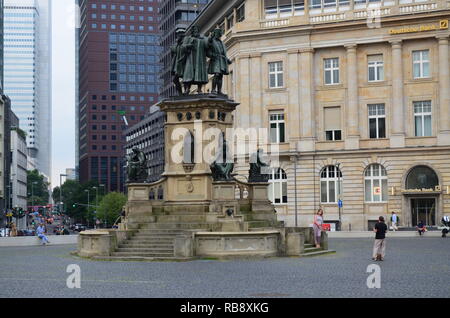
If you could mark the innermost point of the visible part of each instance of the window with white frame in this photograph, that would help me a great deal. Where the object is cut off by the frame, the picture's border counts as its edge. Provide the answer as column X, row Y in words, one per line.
column 283, row 8
column 422, row 118
column 331, row 71
column 332, row 123
column 376, row 184
column 330, row 184
column 278, row 186
column 421, row 63
column 277, row 127
column 377, row 121
column 376, row 68
column 276, row 74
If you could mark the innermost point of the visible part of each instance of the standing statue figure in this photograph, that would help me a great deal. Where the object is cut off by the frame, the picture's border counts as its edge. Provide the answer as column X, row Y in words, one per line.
column 221, row 169
column 137, row 166
column 258, row 168
column 195, row 71
column 218, row 63
column 178, row 60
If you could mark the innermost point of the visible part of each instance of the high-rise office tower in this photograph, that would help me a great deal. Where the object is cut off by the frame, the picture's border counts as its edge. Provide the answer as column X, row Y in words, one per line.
column 1, row 47
column 27, row 73
column 175, row 15
column 118, row 81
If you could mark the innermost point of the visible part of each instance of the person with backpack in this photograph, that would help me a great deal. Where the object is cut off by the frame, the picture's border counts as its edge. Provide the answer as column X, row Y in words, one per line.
column 379, row 246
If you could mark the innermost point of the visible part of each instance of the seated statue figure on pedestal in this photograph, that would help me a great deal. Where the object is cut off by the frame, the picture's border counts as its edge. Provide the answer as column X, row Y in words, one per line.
column 220, row 168
column 137, row 166
column 258, row 169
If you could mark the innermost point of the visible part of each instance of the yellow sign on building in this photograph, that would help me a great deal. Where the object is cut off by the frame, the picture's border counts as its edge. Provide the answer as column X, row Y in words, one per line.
column 443, row 24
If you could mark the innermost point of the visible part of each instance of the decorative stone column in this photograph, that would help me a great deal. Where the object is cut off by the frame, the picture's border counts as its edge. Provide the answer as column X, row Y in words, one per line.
column 307, row 118
column 398, row 109
column 352, row 114
column 444, row 86
column 293, row 112
column 244, row 91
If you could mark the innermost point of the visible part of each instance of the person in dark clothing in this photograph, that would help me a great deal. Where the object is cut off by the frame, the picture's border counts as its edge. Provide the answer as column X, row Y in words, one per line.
column 421, row 228
column 379, row 246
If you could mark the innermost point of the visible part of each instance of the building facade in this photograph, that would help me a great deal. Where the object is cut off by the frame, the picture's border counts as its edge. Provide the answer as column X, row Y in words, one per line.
column 355, row 94
column 148, row 136
column 27, row 73
column 118, row 80
column 18, row 165
column 175, row 14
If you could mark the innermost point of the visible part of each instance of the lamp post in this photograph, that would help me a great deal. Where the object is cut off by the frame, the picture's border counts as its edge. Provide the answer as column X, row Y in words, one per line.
column 96, row 202
column 32, row 194
column 87, row 190
column 338, row 172
column 60, row 190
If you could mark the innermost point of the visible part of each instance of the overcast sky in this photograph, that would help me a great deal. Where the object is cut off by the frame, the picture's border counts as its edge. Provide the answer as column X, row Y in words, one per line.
column 63, row 152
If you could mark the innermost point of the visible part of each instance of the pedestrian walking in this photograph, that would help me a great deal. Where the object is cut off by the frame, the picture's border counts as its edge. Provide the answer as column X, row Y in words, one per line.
column 317, row 227
column 394, row 221
column 379, row 246
column 446, row 223
column 40, row 231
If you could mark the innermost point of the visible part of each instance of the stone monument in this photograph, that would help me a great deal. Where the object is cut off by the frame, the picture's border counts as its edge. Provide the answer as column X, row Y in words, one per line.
column 198, row 208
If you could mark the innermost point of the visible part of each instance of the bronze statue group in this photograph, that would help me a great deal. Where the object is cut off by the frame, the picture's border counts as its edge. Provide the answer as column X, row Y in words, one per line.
column 189, row 61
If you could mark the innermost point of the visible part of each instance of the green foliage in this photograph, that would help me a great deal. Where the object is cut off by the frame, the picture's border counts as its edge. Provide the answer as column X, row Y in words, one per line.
column 37, row 189
column 111, row 206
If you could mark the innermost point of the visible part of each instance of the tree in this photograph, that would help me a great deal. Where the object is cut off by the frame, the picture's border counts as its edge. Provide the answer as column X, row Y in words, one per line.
column 110, row 207
column 37, row 189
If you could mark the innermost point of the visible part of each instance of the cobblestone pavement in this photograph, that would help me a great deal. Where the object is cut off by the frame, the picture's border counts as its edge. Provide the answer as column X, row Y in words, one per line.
column 414, row 267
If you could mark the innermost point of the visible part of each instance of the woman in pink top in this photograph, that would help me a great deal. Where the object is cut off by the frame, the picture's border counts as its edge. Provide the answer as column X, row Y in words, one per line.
column 317, row 227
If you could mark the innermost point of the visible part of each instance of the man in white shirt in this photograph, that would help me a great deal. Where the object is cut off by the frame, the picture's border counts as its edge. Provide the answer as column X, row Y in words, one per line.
column 394, row 221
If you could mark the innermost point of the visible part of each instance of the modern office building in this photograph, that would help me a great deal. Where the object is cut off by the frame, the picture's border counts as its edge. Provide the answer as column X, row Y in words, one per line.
column 18, row 165
column 1, row 47
column 148, row 136
column 71, row 174
column 356, row 95
column 175, row 14
column 118, row 81
column 27, row 73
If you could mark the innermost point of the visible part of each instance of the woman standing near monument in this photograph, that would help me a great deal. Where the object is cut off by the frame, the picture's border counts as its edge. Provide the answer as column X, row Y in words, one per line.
column 317, row 227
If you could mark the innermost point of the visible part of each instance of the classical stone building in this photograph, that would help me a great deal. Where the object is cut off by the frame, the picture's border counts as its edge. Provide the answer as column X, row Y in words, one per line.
column 355, row 93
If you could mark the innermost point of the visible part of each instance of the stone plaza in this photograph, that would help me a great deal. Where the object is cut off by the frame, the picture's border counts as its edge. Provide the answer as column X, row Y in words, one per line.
column 414, row 267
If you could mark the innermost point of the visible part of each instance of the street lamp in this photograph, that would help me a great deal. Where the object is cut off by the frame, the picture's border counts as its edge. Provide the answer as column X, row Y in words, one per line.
column 96, row 201
column 338, row 171
column 87, row 190
column 60, row 189
column 104, row 190
column 32, row 194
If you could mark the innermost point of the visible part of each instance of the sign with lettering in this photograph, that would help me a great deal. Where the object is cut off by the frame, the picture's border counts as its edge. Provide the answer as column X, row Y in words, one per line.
column 441, row 25
column 437, row 188
column 376, row 190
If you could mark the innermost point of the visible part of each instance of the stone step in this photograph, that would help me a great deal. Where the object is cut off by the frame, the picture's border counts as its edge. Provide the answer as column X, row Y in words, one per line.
column 151, row 241
column 160, row 231
column 312, row 249
column 146, row 245
column 152, row 235
column 145, row 250
column 181, row 226
column 138, row 258
column 140, row 254
column 318, row 253
column 258, row 224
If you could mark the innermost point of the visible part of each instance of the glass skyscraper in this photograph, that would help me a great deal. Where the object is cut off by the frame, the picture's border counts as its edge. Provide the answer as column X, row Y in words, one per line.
column 27, row 73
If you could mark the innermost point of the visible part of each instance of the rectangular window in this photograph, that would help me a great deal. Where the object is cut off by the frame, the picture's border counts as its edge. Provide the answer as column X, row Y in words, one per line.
column 332, row 123
column 376, row 68
column 277, row 128
column 422, row 119
column 331, row 71
column 377, row 121
column 275, row 74
column 421, row 64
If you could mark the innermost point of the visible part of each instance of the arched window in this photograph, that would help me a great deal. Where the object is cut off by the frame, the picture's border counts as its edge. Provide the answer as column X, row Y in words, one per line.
column 422, row 177
column 375, row 184
column 330, row 181
column 278, row 186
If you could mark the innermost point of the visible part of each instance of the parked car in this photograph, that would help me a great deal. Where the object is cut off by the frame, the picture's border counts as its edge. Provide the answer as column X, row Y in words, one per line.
column 79, row 228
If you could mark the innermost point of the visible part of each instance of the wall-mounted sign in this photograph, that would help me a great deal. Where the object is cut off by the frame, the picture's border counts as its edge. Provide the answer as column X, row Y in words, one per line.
column 441, row 25
column 435, row 189
column 376, row 190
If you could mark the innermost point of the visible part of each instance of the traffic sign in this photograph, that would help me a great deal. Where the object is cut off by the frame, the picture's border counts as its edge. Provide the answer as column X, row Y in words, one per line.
column 340, row 203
